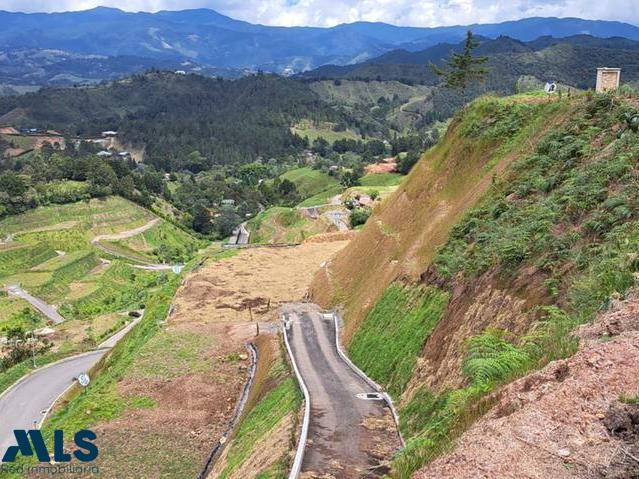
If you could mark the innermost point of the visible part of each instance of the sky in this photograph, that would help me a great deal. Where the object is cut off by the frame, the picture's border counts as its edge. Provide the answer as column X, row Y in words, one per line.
column 324, row 13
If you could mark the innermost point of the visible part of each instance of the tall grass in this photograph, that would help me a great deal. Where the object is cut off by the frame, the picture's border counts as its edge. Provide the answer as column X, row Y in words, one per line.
column 389, row 341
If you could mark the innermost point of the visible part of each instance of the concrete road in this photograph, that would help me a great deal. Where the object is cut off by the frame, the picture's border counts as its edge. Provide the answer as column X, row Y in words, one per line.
column 25, row 404
column 240, row 236
column 46, row 309
column 349, row 436
column 339, row 219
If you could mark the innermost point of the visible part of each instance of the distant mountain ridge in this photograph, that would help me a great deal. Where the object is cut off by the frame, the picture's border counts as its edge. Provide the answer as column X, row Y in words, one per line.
column 210, row 39
column 566, row 59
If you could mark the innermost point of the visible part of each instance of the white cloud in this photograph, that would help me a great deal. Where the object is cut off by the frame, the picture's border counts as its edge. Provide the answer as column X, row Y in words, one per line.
column 332, row 12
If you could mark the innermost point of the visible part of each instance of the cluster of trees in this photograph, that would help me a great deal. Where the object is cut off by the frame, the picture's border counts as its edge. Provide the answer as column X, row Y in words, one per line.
column 408, row 148
column 33, row 181
column 21, row 345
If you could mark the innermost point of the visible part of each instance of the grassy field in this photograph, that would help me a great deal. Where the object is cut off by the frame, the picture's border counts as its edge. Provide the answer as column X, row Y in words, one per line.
column 93, row 217
column 310, row 182
column 383, row 184
column 322, row 130
column 284, row 225
column 381, row 179
column 322, row 198
column 52, row 257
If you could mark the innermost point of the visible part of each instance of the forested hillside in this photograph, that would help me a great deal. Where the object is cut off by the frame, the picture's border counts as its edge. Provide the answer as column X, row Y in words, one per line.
column 174, row 115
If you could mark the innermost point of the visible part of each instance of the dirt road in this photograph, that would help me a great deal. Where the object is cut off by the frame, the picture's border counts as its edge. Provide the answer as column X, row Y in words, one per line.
column 350, row 434
column 126, row 234
column 96, row 241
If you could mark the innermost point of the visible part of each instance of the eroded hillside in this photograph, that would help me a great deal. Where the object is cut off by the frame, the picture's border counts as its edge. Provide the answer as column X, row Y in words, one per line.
column 517, row 227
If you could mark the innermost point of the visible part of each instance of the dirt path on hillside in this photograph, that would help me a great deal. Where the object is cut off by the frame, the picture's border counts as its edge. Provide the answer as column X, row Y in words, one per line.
column 126, row 234
column 565, row 421
column 148, row 265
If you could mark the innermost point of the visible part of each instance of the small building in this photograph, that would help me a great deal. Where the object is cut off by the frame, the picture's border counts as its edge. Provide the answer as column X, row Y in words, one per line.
column 228, row 202
column 109, row 133
column 608, row 79
column 180, row 72
column 124, row 154
column 104, row 153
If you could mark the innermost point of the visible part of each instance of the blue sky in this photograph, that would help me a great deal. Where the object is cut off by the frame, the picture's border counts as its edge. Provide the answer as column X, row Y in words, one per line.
column 332, row 12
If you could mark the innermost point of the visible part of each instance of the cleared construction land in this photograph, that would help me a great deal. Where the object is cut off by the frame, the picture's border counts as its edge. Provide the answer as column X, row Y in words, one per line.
column 173, row 402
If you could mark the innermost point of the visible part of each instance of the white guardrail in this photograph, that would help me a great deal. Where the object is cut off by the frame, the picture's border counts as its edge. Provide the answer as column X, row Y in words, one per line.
column 301, row 446
column 363, row 375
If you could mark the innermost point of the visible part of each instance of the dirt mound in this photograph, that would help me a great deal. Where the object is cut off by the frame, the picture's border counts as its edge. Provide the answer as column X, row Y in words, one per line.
column 565, row 421
column 388, row 165
column 335, row 236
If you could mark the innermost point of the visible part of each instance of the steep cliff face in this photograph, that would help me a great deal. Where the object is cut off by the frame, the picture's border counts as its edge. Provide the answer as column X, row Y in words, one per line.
column 518, row 226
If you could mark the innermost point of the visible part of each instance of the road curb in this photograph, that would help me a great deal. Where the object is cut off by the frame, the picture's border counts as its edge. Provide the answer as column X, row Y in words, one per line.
column 301, row 446
column 363, row 375
column 239, row 410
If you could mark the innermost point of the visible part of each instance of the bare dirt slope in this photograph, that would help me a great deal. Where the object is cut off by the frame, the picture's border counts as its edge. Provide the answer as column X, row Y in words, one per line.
column 565, row 421
column 253, row 283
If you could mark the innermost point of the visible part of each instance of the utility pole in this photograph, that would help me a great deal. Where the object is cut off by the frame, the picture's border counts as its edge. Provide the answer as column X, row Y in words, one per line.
column 33, row 340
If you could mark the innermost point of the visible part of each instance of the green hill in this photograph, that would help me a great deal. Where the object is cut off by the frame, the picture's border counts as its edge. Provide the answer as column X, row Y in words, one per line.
column 87, row 258
column 310, row 182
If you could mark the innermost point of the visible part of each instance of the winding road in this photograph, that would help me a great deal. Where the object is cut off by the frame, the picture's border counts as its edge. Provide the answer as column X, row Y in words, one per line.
column 97, row 242
column 352, row 433
column 27, row 403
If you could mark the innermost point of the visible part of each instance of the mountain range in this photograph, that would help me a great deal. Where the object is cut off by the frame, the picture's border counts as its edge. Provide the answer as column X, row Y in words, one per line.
column 103, row 43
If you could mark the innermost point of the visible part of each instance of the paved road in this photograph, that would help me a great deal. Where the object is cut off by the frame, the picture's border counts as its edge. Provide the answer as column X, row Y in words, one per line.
column 240, row 236
column 113, row 340
column 29, row 400
column 339, row 219
column 46, row 309
column 349, row 437
column 26, row 403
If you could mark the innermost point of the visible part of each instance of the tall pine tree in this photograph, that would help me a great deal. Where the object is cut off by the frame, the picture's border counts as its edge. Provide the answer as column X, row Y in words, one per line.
column 463, row 68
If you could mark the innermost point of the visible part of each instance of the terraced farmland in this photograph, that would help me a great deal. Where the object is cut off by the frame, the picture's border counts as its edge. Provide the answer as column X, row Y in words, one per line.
column 53, row 257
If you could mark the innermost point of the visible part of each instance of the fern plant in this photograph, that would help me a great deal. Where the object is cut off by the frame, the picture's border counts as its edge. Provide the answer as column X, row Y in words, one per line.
column 490, row 358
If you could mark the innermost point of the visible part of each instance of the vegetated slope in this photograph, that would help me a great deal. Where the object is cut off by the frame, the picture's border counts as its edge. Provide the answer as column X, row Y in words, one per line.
column 286, row 225
column 514, row 67
column 309, row 182
column 174, row 115
column 53, row 255
column 519, row 225
column 407, row 229
column 527, row 433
